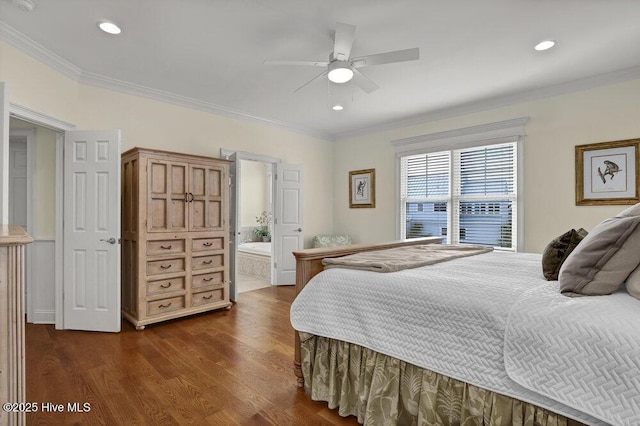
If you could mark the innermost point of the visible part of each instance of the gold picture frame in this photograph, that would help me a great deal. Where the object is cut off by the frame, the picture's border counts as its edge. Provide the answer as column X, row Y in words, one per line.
column 362, row 188
column 607, row 173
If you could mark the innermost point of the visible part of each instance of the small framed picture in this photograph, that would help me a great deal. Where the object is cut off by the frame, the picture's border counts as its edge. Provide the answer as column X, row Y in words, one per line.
column 607, row 173
column 362, row 188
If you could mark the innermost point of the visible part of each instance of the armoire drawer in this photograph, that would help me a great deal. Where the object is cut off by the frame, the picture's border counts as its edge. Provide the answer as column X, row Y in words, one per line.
column 207, row 262
column 211, row 243
column 160, row 247
column 206, row 297
column 204, row 280
column 158, row 307
column 165, row 286
column 155, row 267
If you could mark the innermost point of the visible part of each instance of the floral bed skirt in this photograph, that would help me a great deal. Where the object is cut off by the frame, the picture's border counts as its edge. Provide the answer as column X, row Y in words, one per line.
column 381, row 390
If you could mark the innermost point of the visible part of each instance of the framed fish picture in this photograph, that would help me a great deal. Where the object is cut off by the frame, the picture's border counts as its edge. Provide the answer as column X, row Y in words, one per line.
column 362, row 188
column 607, row 173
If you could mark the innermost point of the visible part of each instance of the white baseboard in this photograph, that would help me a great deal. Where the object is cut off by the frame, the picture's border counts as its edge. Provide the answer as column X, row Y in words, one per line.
column 43, row 317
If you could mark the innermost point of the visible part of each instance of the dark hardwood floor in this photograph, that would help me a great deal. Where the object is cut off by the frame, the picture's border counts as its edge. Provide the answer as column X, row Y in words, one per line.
column 220, row 368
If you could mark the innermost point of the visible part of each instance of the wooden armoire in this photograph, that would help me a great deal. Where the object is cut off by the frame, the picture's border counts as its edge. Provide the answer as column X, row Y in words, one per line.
column 175, row 226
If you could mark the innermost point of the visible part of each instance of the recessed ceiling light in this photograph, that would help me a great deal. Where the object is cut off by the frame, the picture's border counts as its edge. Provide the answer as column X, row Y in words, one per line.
column 544, row 45
column 109, row 27
column 337, row 107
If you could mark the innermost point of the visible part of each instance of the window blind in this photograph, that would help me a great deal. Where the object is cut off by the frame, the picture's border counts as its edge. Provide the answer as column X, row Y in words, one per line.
column 468, row 195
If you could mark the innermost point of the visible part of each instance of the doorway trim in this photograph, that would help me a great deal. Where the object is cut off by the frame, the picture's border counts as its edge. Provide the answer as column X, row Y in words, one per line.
column 59, row 126
column 244, row 155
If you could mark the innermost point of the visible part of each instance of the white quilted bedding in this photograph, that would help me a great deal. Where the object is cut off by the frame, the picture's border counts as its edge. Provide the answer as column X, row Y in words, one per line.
column 453, row 317
column 583, row 352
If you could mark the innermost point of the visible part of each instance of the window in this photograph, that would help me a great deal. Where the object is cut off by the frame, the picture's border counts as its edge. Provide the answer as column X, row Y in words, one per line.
column 472, row 191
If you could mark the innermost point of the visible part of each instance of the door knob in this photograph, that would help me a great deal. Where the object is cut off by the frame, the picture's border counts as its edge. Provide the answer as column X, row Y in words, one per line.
column 299, row 230
column 110, row 240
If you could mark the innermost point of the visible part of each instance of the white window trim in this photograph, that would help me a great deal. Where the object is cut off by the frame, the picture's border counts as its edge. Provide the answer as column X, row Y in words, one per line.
column 468, row 137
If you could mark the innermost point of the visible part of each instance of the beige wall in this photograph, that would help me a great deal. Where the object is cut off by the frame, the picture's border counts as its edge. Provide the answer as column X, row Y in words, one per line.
column 556, row 125
column 254, row 194
column 44, row 185
column 153, row 124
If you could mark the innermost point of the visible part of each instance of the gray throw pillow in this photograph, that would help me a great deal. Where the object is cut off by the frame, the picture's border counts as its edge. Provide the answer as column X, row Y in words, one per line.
column 557, row 251
column 605, row 258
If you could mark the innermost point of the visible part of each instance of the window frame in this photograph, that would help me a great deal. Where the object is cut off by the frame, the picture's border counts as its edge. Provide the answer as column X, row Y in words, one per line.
column 501, row 132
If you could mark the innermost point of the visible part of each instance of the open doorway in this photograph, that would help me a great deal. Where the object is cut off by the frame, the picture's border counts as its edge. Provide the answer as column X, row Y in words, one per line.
column 286, row 201
column 32, row 205
column 255, row 215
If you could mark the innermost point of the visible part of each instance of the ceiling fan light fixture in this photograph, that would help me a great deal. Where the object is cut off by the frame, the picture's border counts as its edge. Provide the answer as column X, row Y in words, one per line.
column 340, row 71
column 109, row 27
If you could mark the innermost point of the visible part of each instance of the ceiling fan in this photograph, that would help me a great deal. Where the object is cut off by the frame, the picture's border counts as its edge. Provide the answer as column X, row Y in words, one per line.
column 341, row 67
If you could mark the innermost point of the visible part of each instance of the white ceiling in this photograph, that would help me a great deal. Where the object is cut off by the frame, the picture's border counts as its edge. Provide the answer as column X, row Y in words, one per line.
column 209, row 54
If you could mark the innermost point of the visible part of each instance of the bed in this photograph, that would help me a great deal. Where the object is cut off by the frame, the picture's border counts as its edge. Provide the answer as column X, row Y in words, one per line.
column 484, row 339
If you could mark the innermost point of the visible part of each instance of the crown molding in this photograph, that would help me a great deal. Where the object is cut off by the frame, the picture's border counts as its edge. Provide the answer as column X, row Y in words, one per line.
column 578, row 85
column 50, row 59
column 38, row 52
column 109, row 83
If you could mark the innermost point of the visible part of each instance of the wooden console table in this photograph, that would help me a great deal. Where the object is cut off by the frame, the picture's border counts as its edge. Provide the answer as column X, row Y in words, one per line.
column 12, row 369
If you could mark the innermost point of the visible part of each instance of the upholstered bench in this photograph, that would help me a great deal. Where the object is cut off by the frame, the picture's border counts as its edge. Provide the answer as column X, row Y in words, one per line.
column 331, row 240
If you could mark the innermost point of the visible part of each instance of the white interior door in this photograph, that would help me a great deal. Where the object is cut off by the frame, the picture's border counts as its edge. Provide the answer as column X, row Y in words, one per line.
column 92, row 230
column 288, row 230
column 234, row 221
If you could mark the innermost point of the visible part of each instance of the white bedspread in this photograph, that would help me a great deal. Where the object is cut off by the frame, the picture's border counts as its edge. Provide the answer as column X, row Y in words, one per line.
column 452, row 318
column 584, row 352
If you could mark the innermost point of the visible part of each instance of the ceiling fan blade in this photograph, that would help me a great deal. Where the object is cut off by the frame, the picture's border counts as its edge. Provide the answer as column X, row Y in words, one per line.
column 363, row 82
column 343, row 42
column 311, row 81
column 387, row 58
column 303, row 63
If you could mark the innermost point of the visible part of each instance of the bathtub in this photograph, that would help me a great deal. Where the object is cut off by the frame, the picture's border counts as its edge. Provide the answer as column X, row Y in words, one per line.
column 258, row 248
column 254, row 258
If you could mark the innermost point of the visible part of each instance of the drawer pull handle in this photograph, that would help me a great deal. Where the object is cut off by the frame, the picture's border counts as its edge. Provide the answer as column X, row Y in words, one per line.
column 207, row 279
column 207, row 297
column 165, row 285
column 166, row 247
column 207, row 244
column 165, row 267
column 207, row 262
column 164, row 306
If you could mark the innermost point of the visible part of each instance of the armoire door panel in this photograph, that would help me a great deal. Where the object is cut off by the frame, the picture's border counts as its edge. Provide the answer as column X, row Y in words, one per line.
column 168, row 196
column 158, row 178
column 198, row 215
column 178, row 215
column 214, row 182
column 178, row 179
column 215, row 214
column 198, row 181
column 158, row 215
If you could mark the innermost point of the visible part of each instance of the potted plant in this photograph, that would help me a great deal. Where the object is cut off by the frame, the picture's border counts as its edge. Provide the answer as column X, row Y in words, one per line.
column 263, row 231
